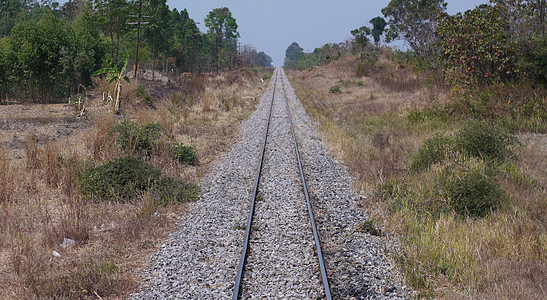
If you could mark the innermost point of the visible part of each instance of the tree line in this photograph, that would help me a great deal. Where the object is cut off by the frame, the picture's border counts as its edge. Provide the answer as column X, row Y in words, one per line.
column 493, row 43
column 48, row 51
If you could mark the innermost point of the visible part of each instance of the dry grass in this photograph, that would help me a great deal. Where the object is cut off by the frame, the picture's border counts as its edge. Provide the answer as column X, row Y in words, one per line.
column 40, row 204
column 502, row 256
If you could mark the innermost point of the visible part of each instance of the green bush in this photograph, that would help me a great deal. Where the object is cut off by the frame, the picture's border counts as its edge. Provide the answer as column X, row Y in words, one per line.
column 138, row 139
column 486, row 141
column 434, row 150
column 184, row 154
column 471, row 192
column 335, row 89
column 121, row 179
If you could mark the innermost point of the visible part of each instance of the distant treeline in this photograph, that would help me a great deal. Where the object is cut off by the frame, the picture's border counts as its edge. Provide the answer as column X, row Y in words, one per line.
column 493, row 43
column 48, row 51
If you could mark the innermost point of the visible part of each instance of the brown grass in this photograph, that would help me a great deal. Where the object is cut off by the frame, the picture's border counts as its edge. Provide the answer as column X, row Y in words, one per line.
column 40, row 202
column 6, row 178
column 446, row 256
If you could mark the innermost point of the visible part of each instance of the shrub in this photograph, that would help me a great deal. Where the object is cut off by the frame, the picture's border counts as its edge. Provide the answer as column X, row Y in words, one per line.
column 471, row 192
column 121, row 179
column 134, row 138
column 335, row 89
column 485, row 141
column 434, row 150
column 184, row 154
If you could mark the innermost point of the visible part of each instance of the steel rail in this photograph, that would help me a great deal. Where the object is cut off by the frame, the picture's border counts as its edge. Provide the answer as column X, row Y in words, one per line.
column 237, row 288
column 314, row 228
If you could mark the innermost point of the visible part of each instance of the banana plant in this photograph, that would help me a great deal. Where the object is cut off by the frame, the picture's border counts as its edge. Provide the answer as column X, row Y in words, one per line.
column 113, row 74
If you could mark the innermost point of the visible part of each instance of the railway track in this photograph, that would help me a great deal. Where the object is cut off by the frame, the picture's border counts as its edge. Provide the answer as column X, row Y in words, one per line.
column 280, row 258
column 278, row 100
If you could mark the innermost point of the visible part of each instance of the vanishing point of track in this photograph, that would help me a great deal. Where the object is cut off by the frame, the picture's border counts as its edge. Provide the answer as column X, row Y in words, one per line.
column 243, row 259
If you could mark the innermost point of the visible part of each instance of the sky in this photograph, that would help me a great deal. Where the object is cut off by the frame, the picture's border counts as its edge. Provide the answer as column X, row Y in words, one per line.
column 271, row 26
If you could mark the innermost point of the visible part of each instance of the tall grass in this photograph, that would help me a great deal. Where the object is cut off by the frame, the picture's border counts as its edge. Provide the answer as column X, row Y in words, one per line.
column 448, row 252
column 6, row 178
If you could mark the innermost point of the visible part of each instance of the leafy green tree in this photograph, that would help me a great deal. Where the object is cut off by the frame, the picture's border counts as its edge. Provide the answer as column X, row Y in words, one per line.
column 37, row 48
column 158, row 31
column 9, row 10
column 361, row 37
column 264, row 59
column 415, row 22
column 222, row 28
column 3, row 70
column 113, row 16
column 378, row 26
column 116, row 75
column 476, row 47
column 292, row 54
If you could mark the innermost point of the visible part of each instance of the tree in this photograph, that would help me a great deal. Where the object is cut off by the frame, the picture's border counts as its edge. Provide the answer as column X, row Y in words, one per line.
column 264, row 59
column 222, row 29
column 476, row 47
column 527, row 17
column 378, row 26
column 292, row 54
column 415, row 22
column 9, row 9
column 158, row 31
column 361, row 37
column 115, row 74
column 113, row 16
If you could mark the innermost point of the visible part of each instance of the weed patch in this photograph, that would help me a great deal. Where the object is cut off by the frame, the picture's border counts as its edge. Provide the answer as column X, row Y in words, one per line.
column 471, row 192
column 184, row 154
column 485, row 141
column 123, row 178
column 133, row 138
column 434, row 150
column 335, row 89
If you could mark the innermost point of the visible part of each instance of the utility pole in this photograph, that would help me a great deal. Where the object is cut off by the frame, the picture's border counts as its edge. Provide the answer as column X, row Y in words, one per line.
column 138, row 36
column 139, row 16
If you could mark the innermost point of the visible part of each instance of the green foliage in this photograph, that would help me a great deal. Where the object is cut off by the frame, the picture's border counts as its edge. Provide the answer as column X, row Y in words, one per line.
column 378, row 26
column 133, row 138
column 9, row 10
column 50, row 57
column 292, row 54
column 414, row 21
column 184, row 154
column 222, row 30
column 470, row 192
column 115, row 74
column 123, row 178
column 361, row 37
column 335, row 89
column 476, row 47
column 434, row 150
column 426, row 114
column 485, row 141
column 533, row 58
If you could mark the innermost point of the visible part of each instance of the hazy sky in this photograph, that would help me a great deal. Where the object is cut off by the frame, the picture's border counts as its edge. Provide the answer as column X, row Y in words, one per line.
column 271, row 26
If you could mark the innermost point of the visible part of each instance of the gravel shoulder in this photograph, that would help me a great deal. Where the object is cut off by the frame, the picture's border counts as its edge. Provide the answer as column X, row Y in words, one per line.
column 200, row 260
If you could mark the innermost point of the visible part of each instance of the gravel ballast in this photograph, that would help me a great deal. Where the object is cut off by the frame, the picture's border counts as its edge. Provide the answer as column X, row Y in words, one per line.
column 200, row 260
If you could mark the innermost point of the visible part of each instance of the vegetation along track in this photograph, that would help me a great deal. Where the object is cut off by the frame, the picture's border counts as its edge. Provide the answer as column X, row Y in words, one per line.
column 200, row 261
